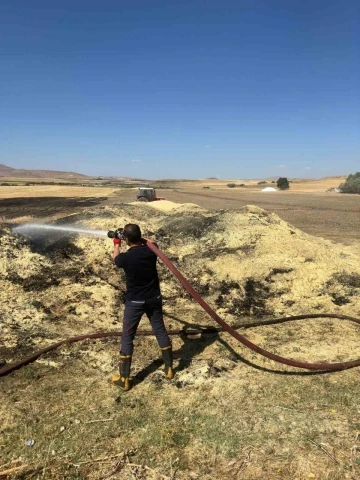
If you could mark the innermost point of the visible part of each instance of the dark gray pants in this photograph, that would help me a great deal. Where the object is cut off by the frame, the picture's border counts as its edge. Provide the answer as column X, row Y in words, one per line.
column 134, row 310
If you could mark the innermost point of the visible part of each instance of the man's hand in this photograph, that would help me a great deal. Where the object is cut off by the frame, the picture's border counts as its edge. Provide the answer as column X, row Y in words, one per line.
column 117, row 245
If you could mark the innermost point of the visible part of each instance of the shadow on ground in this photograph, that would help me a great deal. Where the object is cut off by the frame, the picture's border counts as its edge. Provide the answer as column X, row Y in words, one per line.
column 192, row 347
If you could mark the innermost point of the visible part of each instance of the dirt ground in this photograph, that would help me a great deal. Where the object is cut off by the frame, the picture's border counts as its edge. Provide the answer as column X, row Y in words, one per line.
column 329, row 215
column 228, row 413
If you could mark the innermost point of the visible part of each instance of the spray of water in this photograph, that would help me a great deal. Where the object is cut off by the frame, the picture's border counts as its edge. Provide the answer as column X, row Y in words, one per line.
column 38, row 229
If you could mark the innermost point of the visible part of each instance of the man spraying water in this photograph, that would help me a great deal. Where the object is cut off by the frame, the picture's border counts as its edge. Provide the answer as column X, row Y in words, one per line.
column 143, row 295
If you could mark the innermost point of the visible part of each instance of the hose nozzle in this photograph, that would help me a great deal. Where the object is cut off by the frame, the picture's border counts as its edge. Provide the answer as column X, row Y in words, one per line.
column 118, row 233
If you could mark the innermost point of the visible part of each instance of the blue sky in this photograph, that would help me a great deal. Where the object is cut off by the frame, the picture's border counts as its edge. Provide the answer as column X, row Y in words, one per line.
column 181, row 89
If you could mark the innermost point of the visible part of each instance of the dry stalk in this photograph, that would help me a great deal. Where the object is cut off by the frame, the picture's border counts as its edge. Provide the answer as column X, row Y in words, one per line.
column 117, row 467
column 325, row 451
column 46, row 461
column 355, row 448
column 136, row 465
column 289, row 408
column 10, row 463
column 12, row 470
column 96, row 460
column 100, row 420
column 9, row 471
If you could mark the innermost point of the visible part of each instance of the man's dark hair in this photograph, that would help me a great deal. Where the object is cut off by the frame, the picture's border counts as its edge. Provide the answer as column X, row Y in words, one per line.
column 132, row 232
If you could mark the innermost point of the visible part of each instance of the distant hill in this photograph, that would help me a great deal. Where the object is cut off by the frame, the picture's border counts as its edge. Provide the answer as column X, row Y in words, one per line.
column 6, row 171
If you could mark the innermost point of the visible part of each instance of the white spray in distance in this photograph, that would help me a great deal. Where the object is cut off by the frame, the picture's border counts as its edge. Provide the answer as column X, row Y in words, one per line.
column 38, row 229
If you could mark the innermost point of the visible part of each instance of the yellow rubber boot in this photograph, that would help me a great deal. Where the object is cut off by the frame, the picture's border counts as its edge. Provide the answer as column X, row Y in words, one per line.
column 167, row 356
column 123, row 381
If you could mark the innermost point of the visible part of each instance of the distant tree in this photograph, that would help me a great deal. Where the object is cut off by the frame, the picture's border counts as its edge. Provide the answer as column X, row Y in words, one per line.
column 273, row 181
column 231, row 185
column 352, row 184
column 241, row 185
column 283, row 183
column 262, row 183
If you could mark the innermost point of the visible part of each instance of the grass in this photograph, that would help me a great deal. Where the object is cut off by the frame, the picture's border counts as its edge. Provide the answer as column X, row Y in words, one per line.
column 245, row 418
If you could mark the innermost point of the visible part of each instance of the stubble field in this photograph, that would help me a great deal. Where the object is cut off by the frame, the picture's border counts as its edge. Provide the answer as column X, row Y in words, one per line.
column 229, row 413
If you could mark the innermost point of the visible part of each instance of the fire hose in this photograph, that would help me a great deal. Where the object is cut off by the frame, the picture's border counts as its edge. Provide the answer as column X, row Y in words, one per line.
column 224, row 326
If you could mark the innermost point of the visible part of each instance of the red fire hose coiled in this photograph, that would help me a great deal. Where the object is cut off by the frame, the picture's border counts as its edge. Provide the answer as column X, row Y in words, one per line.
column 323, row 366
column 244, row 340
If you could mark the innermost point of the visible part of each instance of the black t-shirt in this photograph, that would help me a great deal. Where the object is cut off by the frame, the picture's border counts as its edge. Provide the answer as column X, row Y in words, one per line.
column 139, row 264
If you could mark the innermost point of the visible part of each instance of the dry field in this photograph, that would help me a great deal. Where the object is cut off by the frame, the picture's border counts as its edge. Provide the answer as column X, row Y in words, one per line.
column 330, row 215
column 229, row 413
column 297, row 185
column 51, row 191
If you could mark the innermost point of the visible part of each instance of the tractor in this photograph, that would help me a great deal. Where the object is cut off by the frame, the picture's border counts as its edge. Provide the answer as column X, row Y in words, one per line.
column 148, row 195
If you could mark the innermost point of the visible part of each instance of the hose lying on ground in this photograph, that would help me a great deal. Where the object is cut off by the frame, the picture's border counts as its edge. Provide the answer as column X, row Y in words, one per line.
column 323, row 366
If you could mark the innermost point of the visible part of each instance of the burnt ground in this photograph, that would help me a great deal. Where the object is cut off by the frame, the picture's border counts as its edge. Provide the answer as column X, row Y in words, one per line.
column 40, row 207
